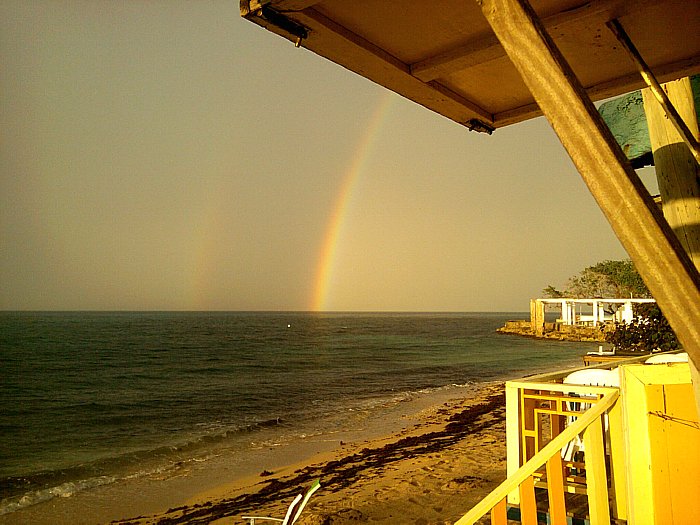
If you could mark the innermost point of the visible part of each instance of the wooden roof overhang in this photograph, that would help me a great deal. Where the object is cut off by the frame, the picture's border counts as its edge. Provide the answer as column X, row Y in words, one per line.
column 444, row 55
column 490, row 63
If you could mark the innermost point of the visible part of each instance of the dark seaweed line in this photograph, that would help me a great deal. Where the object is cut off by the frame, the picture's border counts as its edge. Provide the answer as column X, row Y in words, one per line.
column 337, row 475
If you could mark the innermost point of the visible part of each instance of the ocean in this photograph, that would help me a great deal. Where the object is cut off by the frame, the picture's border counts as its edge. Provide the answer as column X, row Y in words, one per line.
column 101, row 407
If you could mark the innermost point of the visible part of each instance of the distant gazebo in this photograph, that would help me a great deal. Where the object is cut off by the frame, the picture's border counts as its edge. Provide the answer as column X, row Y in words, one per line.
column 584, row 312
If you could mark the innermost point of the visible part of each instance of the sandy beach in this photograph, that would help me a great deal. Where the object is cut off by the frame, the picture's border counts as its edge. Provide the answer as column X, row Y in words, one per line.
column 432, row 472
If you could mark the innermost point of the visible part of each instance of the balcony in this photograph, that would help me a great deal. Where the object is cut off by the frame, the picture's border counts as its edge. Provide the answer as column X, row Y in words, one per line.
column 624, row 450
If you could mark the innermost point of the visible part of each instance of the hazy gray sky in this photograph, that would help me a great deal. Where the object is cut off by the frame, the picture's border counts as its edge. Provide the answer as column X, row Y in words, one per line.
column 170, row 155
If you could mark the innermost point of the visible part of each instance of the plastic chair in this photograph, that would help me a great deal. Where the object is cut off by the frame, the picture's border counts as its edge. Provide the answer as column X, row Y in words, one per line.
column 592, row 377
column 294, row 510
column 667, row 358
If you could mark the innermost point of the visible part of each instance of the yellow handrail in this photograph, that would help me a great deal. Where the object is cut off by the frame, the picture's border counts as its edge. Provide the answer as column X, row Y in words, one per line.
column 539, row 459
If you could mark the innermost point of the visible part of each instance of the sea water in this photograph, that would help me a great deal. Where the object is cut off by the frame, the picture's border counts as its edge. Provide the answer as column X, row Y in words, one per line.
column 97, row 401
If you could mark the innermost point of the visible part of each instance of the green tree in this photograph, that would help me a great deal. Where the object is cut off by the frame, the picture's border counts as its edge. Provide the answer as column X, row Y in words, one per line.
column 552, row 292
column 612, row 279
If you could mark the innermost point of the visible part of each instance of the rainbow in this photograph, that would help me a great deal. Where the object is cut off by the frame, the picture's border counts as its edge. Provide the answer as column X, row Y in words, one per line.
column 326, row 260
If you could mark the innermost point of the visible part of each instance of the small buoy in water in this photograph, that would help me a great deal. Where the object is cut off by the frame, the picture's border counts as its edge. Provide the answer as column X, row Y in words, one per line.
column 289, row 326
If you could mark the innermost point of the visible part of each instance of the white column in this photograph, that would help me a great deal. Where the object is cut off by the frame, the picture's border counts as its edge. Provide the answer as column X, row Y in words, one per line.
column 595, row 313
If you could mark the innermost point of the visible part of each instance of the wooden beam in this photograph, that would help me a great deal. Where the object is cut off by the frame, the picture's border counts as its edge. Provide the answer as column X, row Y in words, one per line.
column 555, row 490
column 295, row 5
column 513, row 448
column 528, row 503
column 618, row 462
column 656, row 89
column 596, row 478
column 466, row 55
column 499, row 513
column 487, row 47
column 280, row 5
column 635, row 219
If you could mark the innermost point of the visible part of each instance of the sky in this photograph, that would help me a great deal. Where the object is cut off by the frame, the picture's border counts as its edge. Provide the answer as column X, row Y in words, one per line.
column 169, row 155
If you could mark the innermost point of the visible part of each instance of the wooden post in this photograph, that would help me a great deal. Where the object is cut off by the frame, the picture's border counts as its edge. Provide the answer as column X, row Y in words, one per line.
column 539, row 318
column 618, row 462
column 676, row 169
column 499, row 513
column 677, row 173
column 528, row 504
column 596, row 478
column 661, row 260
column 513, row 448
column 555, row 490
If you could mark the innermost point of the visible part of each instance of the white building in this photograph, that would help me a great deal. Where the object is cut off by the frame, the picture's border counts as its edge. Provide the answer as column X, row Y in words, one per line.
column 584, row 312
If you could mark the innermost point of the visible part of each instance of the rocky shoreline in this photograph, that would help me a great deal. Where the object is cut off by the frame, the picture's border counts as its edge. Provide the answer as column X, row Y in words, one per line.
column 555, row 331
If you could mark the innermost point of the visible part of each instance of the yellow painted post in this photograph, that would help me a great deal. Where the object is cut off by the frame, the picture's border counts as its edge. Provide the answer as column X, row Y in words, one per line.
column 499, row 513
column 529, row 426
column 634, row 399
column 618, row 470
column 528, row 504
column 555, row 490
column 675, row 455
column 658, row 444
column 596, row 479
column 525, row 473
column 513, row 449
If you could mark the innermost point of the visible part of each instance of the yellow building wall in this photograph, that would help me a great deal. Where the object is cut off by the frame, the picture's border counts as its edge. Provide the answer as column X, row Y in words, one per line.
column 663, row 444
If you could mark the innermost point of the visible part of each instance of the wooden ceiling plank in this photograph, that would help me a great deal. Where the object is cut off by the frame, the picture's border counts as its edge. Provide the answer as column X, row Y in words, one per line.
column 475, row 52
column 486, row 48
column 624, row 84
column 363, row 45
column 395, row 74
column 658, row 255
column 664, row 73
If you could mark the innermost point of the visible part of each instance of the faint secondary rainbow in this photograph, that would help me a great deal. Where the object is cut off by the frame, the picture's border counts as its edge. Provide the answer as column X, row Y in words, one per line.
column 326, row 261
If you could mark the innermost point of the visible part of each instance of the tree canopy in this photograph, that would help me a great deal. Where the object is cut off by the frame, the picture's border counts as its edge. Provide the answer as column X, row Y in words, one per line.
column 611, row 279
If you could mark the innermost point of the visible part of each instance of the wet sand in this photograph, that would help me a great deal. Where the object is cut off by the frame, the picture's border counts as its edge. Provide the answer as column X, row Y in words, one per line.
column 432, row 472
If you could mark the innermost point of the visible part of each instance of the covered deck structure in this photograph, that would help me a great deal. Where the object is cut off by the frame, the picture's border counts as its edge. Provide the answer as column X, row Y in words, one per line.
column 486, row 64
column 584, row 312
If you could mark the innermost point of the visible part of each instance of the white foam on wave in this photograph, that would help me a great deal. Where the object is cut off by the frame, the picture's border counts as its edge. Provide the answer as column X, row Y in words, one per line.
column 64, row 490
column 71, row 488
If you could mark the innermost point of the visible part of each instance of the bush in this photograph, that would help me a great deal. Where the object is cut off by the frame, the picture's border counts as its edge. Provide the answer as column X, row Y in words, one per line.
column 649, row 331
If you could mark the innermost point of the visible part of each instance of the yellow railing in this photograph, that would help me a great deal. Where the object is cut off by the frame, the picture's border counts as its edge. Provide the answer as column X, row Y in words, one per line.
column 590, row 423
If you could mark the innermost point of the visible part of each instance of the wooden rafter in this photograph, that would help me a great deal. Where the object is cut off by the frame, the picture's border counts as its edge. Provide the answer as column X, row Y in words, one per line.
column 487, row 47
column 624, row 84
column 388, row 69
column 656, row 88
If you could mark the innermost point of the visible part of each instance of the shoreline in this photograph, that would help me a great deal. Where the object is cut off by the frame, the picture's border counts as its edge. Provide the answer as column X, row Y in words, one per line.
column 433, row 471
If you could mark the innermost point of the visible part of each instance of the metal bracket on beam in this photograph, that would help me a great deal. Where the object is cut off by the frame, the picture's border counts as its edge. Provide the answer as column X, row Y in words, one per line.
column 479, row 126
column 293, row 30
